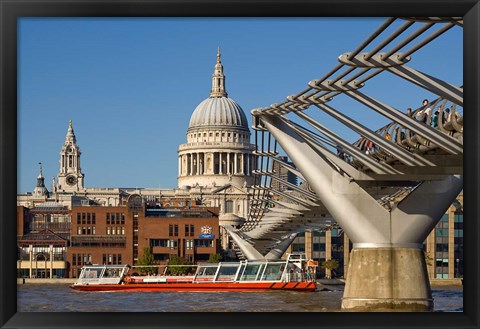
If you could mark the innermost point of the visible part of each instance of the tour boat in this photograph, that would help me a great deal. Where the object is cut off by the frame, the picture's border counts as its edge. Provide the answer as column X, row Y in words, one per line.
column 296, row 273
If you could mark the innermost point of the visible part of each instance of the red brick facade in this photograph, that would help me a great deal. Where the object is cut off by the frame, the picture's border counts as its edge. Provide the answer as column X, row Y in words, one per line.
column 100, row 235
column 178, row 232
column 118, row 235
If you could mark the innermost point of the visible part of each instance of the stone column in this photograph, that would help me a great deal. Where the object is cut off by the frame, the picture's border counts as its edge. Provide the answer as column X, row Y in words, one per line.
column 220, row 167
column 30, row 258
column 308, row 244
column 430, row 252
column 50, row 249
column 451, row 242
column 197, row 172
column 228, row 163
column 191, row 164
column 328, row 251
column 179, row 165
column 235, row 165
column 242, row 164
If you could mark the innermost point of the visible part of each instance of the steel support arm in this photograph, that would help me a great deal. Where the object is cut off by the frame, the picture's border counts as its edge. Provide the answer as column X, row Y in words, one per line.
column 281, row 247
column 417, row 214
column 247, row 249
column 355, row 210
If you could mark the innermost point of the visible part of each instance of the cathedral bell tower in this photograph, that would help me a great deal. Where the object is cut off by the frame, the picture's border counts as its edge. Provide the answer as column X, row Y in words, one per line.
column 70, row 178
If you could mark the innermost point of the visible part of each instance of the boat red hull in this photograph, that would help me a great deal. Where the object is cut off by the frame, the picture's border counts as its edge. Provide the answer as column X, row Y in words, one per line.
column 200, row 287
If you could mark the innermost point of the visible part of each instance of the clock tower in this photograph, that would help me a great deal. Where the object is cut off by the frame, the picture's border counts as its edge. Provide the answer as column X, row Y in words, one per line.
column 70, row 178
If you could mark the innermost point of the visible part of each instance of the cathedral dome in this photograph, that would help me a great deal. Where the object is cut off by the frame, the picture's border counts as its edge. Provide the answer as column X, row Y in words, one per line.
column 218, row 111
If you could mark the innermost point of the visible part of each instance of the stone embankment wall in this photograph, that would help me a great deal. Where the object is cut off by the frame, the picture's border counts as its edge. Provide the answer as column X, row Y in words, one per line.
column 46, row 281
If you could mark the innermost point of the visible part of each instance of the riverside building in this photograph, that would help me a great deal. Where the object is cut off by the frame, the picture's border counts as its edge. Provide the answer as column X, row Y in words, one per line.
column 214, row 178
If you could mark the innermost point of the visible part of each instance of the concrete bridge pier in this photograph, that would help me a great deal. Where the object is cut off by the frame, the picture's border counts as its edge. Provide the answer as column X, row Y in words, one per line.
column 387, row 270
column 387, row 279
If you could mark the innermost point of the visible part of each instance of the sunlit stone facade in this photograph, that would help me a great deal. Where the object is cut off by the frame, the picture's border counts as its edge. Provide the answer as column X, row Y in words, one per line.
column 218, row 149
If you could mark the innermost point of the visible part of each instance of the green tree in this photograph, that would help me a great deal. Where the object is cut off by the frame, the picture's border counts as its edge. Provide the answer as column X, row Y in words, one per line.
column 330, row 264
column 178, row 270
column 214, row 258
column 147, row 260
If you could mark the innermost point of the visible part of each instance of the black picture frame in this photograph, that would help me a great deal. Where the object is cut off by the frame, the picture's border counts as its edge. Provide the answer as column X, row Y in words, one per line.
column 11, row 10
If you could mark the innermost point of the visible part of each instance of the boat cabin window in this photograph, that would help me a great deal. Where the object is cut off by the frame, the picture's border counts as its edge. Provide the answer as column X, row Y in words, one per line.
column 250, row 273
column 273, row 271
column 227, row 272
column 91, row 273
column 206, row 271
column 112, row 273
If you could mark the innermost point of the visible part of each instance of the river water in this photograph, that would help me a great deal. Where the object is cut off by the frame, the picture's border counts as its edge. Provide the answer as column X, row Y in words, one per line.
column 60, row 298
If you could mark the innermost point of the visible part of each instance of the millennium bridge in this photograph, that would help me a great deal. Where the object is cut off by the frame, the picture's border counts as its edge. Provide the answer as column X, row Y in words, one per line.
column 387, row 190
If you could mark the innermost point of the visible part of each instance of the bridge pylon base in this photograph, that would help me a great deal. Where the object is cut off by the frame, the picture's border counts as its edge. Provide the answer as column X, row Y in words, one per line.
column 387, row 280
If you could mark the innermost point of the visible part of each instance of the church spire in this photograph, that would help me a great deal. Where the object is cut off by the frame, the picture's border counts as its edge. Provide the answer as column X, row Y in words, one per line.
column 70, row 134
column 40, row 178
column 40, row 191
column 218, row 79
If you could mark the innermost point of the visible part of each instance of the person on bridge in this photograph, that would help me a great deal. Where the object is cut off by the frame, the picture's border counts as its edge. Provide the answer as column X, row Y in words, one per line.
column 425, row 114
column 435, row 119
column 409, row 113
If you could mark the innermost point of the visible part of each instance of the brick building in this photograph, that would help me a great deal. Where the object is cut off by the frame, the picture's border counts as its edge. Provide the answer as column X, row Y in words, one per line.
column 191, row 233
column 118, row 234
column 100, row 235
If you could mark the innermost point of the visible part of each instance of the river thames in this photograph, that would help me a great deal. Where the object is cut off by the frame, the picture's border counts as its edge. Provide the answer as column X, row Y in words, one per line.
column 60, row 298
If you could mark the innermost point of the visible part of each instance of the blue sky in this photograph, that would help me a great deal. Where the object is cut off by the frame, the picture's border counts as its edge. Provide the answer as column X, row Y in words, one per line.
column 130, row 84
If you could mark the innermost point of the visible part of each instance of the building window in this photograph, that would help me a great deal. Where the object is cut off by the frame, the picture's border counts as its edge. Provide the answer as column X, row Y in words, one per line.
column 83, row 218
column 108, row 218
column 203, row 243
column 108, row 230
column 119, row 259
column 441, row 232
column 123, row 230
column 74, row 259
column 88, row 218
column 189, row 230
column 104, row 258
column 175, row 230
column 79, row 230
column 93, row 219
column 229, row 207
column 78, row 219
column 172, row 244
column 93, row 230
column 170, row 230
column 123, row 218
